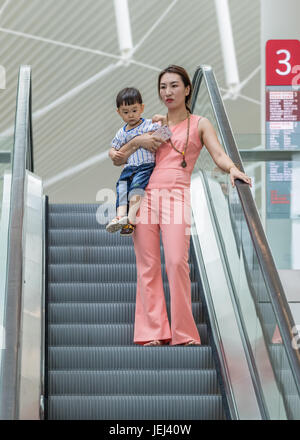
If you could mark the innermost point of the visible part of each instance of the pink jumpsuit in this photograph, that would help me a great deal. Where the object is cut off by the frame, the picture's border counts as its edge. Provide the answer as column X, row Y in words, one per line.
column 166, row 207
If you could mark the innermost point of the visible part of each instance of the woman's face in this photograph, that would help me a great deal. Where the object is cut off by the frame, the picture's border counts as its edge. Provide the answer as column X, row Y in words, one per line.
column 172, row 90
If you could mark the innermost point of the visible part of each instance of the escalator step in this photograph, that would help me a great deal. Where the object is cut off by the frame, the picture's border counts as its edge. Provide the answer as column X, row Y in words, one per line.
column 92, row 254
column 130, row 357
column 78, row 220
column 100, row 334
column 81, row 273
column 143, row 382
column 82, row 207
column 95, row 371
column 278, row 354
column 287, row 380
column 267, row 313
column 86, row 237
column 65, row 313
column 293, row 404
column 104, row 292
column 136, row 407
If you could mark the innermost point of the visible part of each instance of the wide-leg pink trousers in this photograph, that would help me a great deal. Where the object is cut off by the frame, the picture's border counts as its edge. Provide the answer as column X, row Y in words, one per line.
column 170, row 215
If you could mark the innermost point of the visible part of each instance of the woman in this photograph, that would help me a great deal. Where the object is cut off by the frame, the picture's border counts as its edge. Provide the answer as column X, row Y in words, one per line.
column 175, row 161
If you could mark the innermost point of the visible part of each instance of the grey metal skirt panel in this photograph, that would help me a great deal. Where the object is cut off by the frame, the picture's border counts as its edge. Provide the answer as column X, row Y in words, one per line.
column 95, row 371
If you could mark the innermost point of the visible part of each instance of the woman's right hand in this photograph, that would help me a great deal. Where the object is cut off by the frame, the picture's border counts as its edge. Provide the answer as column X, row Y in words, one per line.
column 150, row 142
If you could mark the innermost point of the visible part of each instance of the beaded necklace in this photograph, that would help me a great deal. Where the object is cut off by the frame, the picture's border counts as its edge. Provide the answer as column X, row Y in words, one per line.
column 183, row 163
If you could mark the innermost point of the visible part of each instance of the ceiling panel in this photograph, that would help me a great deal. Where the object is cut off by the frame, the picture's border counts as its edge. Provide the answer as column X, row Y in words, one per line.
column 75, row 83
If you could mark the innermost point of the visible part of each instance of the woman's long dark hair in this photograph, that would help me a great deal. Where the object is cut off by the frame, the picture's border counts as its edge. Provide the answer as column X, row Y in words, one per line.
column 185, row 78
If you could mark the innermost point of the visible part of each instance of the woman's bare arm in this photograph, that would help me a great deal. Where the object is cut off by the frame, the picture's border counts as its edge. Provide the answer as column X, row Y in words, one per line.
column 209, row 138
column 146, row 140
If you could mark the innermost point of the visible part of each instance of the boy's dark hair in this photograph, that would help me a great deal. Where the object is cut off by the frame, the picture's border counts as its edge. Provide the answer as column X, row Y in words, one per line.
column 129, row 96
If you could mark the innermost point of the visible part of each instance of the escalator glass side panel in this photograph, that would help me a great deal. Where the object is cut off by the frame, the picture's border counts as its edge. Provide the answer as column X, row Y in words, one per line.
column 277, row 200
column 267, row 354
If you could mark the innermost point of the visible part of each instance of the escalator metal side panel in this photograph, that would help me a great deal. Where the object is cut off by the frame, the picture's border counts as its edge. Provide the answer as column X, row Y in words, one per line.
column 30, row 351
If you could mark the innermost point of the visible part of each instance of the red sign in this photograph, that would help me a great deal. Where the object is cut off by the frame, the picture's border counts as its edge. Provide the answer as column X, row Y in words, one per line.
column 282, row 62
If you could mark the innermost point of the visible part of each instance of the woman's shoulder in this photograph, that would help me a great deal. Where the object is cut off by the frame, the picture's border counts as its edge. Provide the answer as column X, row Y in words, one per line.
column 198, row 117
column 198, row 120
column 201, row 121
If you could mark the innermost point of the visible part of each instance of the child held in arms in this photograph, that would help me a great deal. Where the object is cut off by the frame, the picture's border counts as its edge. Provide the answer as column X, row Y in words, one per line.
column 139, row 166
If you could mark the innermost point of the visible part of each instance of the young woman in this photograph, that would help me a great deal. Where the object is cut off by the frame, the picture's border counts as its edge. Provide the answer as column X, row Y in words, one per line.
column 167, row 189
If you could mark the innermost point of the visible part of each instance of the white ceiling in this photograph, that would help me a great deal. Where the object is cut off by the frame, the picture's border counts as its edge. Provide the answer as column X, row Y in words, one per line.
column 72, row 47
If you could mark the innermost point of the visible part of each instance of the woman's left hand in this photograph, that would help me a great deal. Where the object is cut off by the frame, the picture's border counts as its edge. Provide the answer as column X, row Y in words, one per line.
column 235, row 173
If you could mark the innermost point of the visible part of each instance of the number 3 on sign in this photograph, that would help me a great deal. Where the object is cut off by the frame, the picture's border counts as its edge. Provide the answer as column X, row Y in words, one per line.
column 285, row 62
column 281, row 58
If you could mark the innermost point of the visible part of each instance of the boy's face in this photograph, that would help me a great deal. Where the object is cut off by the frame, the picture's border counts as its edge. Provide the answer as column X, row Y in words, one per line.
column 131, row 114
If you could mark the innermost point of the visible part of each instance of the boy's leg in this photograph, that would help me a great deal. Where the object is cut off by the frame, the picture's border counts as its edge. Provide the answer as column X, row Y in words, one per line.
column 121, row 203
column 138, row 183
column 122, row 211
column 134, row 206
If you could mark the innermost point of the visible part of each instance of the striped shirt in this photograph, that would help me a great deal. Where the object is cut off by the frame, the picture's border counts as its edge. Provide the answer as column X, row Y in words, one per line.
column 141, row 155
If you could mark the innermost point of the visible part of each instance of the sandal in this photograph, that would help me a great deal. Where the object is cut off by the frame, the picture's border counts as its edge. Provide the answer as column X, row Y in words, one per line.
column 193, row 342
column 116, row 223
column 127, row 229
column 154, row 343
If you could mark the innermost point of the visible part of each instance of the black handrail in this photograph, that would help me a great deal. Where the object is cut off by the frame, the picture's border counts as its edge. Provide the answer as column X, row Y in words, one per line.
column 265, row 259
column 22, row 158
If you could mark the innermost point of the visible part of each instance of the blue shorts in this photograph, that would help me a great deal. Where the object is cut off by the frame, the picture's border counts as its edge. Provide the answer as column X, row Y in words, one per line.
column 133, row 180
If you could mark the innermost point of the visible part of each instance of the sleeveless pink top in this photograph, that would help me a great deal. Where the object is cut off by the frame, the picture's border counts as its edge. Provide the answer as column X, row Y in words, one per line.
column 168, row 172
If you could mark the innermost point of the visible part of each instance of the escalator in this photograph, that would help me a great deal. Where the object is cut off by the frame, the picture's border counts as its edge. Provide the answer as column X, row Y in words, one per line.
column 94, row 369
column 76, row 298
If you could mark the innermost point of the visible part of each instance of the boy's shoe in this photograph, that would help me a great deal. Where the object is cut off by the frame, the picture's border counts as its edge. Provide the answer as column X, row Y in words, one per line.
column 116, row 223
column 127, row 229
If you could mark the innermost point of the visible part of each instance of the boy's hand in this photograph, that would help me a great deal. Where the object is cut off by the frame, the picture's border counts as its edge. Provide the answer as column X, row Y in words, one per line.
column 119, row 155
column 116, row 154
column 159, row 118
column 119, row 158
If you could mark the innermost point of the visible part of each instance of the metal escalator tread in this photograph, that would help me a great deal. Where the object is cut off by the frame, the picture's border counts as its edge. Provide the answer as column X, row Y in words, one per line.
column 103, row 313
column 95, row 371
column 143, row 382
column 98, row 334
column 94, row 272
column 127, row 407
column 104, row 292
